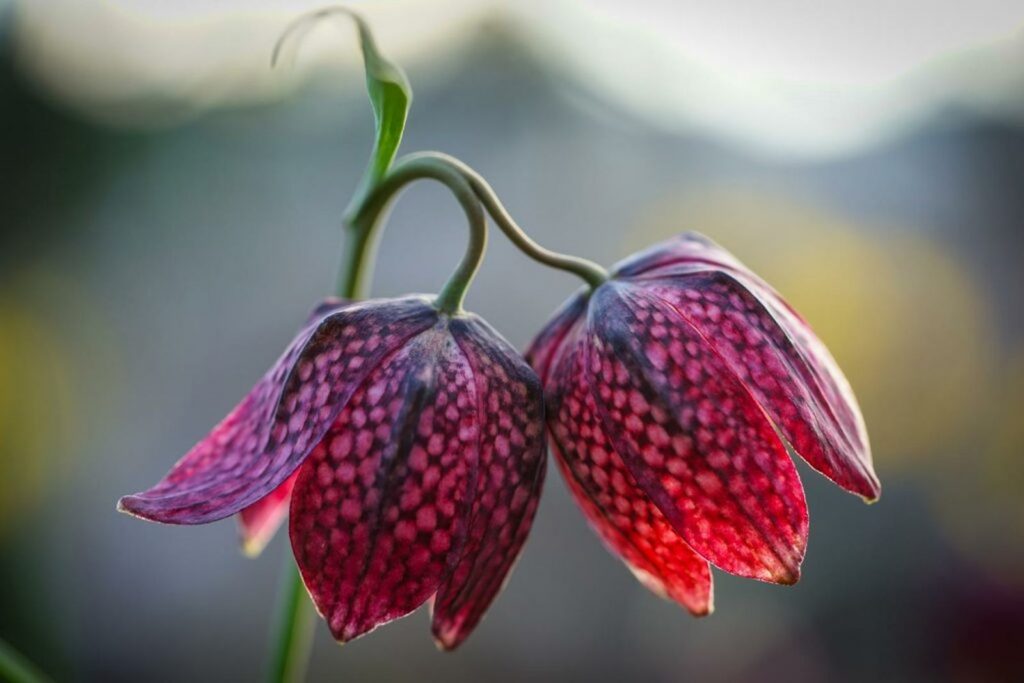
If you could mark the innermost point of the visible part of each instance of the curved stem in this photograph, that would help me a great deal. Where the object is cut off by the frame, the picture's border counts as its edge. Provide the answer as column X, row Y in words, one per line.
column 404, row 171
column 591, row 273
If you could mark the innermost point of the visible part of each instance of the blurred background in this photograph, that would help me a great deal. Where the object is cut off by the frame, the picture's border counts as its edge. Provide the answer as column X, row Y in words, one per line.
column 170, row 210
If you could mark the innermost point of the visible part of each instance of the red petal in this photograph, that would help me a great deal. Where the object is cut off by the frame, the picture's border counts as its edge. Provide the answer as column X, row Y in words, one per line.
column 378, row 512
column 775, row 370
column 843, row 453
column 258, row 522
column 693, row 437
column 622, row 514
column 272, row 430
column 546, row 345
column 508, row 485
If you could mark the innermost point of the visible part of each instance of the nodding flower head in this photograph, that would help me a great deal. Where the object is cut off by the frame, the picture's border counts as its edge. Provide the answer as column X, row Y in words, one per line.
column 409, row 443
column 672, row 392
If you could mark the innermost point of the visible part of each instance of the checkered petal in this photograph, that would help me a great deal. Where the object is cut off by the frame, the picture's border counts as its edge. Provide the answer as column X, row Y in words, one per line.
column 268, row 435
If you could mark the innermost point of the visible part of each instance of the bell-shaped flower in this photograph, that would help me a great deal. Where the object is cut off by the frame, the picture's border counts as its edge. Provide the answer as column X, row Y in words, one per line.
column 412, row 444
column 673, row 391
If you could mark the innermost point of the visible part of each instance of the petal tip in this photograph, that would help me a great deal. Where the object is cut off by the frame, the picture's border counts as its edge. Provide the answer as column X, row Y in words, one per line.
column 788, row 576
column 868, row 487
column 126, row 506
column 704, row 611
column 445, row 645
column 252, row 547
column 447, row 638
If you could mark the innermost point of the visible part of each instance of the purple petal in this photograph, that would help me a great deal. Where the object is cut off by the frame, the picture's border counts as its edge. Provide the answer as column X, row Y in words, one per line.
column 508, row 483
column 275, row 427
column 687, row 248
column 258, row 523
column 378, row 512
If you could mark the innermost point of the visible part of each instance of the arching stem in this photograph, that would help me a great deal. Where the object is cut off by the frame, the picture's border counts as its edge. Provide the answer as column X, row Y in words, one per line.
column 590, row 272
column 404, row 171
column 457, row 175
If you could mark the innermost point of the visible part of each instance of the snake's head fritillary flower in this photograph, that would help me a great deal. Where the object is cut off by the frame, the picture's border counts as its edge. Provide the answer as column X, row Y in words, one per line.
column 672, row 392
column 412, row 442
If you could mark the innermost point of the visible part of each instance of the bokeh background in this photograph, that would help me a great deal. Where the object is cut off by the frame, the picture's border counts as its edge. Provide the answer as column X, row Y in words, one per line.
column 169, row 211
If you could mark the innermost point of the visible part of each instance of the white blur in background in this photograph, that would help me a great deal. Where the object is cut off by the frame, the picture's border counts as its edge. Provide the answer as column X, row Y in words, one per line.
column 803, row 79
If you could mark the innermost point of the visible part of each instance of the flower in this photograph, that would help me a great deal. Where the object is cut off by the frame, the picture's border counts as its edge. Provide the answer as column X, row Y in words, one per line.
column 672, row 391
column 414, row 442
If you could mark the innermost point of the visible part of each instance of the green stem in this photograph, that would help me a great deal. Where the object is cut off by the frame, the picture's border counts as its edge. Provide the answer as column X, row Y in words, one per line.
column 16, row 669
column 406, row 170
column 591, row 273
column 293, row 629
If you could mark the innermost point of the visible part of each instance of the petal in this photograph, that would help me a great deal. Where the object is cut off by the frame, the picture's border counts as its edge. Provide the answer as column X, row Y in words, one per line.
column 545, row 345
column 378, row 512
column 258, row 522
column 776, row 369
column 324, row 308
column 508, row 486
column 685, row 248
column 271, row 432
column 850, row 464
column 693, row 437
column 618, row 510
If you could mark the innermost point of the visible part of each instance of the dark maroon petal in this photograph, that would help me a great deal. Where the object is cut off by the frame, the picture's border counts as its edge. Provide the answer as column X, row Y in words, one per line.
column 831, row 383
column 258, row 522
column 623, row 516
column 326, row 307
column 508, row 484
column 831, row 414
column 546, row 344
column 693, row 437
column 686, row 248
column 378, row 512
column 775, row 370
column 271, row 432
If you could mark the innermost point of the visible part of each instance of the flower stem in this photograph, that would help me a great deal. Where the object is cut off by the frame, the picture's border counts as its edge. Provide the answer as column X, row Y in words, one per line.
column 456, row 175
column 293, row 629
column 292, row 636
column 406, row 170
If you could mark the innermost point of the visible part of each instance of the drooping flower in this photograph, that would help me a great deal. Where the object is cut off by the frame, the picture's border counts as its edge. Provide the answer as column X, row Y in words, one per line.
column 672, row 391
column 414, row 441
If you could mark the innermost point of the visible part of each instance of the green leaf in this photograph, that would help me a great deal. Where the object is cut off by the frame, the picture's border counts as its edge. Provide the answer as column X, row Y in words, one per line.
column 391, row 97
column 386, row 83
